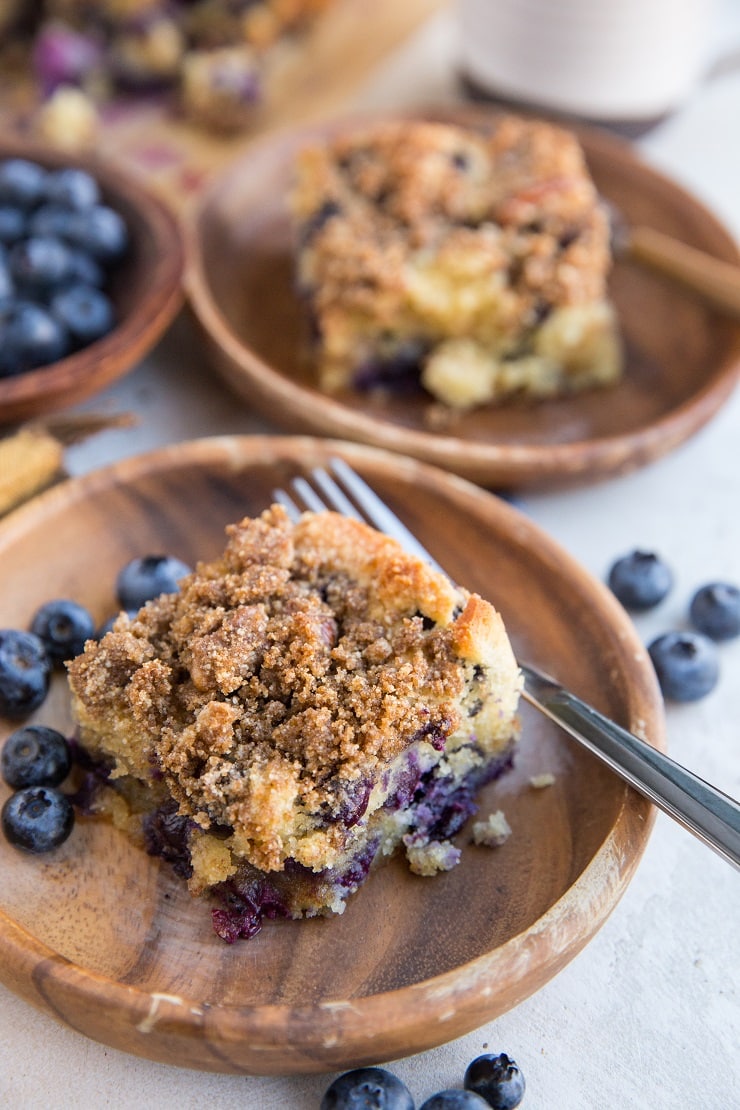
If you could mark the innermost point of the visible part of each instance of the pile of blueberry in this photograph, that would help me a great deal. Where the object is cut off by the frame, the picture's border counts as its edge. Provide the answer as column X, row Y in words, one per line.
column 490, row 1081
column 685, row 661
column 35, row 760
column 59, row 243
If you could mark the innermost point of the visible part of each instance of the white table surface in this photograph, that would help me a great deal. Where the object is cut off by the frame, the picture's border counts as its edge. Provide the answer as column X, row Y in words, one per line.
column 648, row 1015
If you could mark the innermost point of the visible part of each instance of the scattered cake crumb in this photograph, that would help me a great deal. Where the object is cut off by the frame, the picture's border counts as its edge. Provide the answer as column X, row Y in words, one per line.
column 542, row 780
column 432, row 856
column 492, row 831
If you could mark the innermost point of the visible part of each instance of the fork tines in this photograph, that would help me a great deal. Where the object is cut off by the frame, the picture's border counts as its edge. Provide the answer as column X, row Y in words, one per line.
column 365, row 504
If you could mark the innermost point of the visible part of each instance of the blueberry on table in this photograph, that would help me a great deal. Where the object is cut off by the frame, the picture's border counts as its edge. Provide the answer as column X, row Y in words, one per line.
column 35, row 756
column 24, row 673
column 63, row 626
column 147, row 577
column 21, row 182
column 497, row 1079
column 715, row 610
column 37, row 819
column 367, row 1089
column 86, row 313
column 640, row 580
column 454, row 1098
column 686, row 663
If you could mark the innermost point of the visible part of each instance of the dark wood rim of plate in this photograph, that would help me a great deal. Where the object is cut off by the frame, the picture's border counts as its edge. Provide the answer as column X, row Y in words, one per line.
column 340, row 1032
column 546, row 462
column 149, row 287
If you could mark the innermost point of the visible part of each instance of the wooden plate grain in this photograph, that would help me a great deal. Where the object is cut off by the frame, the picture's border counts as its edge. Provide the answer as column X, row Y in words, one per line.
column 682, row 358
column 106, row 939
column 146, row 290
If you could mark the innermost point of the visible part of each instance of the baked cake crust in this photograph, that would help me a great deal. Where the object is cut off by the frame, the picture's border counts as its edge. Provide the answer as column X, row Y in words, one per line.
column 478, row 257
column 287, row 703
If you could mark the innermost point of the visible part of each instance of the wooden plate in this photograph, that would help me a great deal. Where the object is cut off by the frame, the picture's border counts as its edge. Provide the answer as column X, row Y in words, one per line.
column 104, row 938
column 682, row 358
column 146, row 290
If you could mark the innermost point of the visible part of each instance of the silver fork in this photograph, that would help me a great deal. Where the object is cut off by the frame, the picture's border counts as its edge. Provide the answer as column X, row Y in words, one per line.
column 711, row 815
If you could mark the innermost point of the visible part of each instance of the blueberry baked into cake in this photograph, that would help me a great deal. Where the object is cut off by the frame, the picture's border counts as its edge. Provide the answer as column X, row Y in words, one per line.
column 473, row 261
column 306, row 704
column 218, row 59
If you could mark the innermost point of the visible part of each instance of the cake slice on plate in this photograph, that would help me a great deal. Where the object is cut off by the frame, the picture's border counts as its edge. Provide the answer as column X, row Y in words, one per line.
column 472, row 260
column 309, row 702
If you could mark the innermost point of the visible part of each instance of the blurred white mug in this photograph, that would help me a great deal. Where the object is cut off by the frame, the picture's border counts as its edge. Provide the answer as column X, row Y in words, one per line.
column 625, row 60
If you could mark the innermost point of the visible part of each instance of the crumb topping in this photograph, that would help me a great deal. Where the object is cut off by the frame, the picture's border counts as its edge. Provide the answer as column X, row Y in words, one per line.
column 514, row 200
column 270, row 692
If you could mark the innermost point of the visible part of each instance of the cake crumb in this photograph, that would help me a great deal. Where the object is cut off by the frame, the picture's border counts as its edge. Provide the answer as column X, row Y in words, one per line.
column 429, row 857
column 493, row 831
column 540, row 781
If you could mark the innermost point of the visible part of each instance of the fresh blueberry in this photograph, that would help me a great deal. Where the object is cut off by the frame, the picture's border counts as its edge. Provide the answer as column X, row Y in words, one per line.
column 640, row 580
column 24, row 673
column 497, row 1079
column 72, row 188
column 63, row 627
column 715, row 610
column 29, row 337
column 39, row 264
column 35, row 756
column 21, row 182
column 367, row 1089
column 84, row 268
column 147, row 577
column 686, row 664
column 455, row 1099
column 7, row 289
column 86, row 313
column 37, row 818
column 49, row 221
column 100, row 231
column 12, row 224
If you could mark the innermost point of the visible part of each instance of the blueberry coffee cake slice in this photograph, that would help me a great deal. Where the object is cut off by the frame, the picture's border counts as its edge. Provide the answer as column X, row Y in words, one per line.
column 307, row 703
column 473, row 261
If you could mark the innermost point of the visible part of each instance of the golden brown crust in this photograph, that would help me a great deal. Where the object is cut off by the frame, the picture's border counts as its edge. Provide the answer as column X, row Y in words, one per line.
column 285, row 676
column 414, row 234
column 403, row 186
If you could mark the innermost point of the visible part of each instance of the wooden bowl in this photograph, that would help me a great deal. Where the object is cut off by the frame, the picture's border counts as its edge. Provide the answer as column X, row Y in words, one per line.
column 106, row 939
column 682, row 358
column 146, row 290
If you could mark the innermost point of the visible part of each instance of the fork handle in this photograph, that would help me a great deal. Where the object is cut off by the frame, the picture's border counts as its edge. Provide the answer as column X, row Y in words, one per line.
column 711, row 815
column 716, row 281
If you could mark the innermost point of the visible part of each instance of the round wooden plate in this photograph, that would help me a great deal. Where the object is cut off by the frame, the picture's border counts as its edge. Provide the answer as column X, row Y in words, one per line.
column 106, row 939
column 682, row 358
column 146, row 290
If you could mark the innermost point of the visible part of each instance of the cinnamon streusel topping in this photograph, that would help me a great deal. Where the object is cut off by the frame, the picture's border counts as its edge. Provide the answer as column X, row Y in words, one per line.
column 268, row 695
